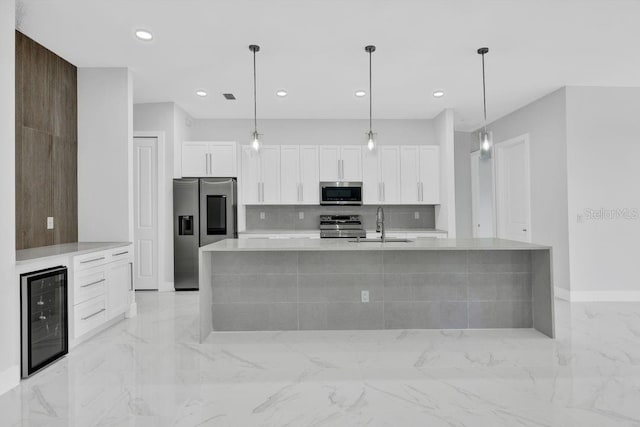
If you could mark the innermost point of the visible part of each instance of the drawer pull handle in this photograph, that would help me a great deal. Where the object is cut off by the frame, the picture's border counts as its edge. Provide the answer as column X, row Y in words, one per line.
column 121, row 253
column 93, row 283
column 92, row 260
column 94, row 314
column 42, row 317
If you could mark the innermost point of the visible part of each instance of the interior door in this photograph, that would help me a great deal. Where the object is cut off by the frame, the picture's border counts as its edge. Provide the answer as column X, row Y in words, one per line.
column 329, row 163
column 145, row 211
column 429, row 175
column 390, row 173
column 290, row 174
column 309, row 179
column 371, row 187
column 409, row 174
column 513, row 191
column 270, row 170
column 195, row 162
column 250, row 176
column 351, row 158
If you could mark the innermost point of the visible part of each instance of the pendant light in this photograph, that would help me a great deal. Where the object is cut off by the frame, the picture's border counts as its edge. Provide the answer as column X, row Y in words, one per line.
column 371, row 137
column 486, row 137
column 255, row 136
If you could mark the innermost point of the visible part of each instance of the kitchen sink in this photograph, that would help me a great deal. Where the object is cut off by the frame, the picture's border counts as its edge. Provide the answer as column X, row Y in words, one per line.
column 387, row 240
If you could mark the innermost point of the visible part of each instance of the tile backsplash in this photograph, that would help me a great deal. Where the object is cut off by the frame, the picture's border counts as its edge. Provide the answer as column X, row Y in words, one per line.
column 287, row 217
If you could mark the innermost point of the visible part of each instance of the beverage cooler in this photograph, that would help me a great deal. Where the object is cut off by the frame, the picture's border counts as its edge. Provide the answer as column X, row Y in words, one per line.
column 44, row 337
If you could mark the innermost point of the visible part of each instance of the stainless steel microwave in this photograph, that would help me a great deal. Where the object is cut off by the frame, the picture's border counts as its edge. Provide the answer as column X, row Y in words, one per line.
column 341, row 193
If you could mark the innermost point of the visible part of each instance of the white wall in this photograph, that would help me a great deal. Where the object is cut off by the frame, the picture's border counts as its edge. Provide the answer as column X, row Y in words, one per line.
column 9, row 296
column 320, row 132
column 105, row 137
column 462, row 148
column 603, row 151
column 446, row 211
column 545, row 122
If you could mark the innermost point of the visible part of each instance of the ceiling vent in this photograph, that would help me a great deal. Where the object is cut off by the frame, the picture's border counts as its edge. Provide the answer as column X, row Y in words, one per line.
column 229, row 96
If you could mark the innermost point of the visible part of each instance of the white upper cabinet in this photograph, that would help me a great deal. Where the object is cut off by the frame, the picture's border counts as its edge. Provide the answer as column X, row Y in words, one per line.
column 381, row 175
column 341, row 163
column 390, row 173
column 261, row 175
column 299, row 180
column 420, row 174
column 209, row 159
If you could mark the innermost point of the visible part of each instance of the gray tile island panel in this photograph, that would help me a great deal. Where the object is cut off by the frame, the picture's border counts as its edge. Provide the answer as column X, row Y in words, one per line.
column 455, row 285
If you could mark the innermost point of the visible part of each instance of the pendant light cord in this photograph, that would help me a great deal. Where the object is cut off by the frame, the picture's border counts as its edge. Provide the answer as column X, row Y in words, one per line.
column 255, row 101
column 484, row 93
column 370, row 97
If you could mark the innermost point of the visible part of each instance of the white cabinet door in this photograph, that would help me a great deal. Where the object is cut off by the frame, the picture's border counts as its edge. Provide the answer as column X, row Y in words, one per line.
column 371, row 186
column 430, row 175
column 390, row 173
column 223, row 159
column 117, row 285
column 251, row 182
column 409, row 174
column 270, row 171
column 309, row 180
column 351, row 163
column 195, row 160
column 290, row 174
column 330, row 163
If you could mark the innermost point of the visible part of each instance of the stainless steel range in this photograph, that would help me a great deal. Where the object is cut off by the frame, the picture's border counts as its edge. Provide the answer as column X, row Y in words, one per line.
column 341, row 226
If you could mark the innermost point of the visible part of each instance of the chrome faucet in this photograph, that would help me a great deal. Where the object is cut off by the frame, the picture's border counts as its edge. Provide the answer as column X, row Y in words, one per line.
column 380, row 223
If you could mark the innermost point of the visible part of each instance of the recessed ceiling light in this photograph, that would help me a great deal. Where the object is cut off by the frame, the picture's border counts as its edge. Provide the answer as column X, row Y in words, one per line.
column 144, row 35
column 201, row 92
column 438, row 94
column 281, row 93
column 361, row 93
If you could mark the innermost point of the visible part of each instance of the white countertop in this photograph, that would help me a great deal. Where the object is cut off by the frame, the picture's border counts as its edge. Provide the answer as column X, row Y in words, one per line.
column 426, row 244
column 388, row 230
column 25, row 256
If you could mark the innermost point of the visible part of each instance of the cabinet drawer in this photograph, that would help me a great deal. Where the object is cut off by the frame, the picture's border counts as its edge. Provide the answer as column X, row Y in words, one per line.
column 89, row 315
column 94, row 259
column 119, row 254
column 89, row 286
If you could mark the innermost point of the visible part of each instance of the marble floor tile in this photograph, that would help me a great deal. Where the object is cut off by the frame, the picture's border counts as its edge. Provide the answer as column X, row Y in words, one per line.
column 152, row 371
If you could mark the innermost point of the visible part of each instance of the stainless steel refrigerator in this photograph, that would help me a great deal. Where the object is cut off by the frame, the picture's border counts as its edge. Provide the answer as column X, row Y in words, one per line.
column 204, row 212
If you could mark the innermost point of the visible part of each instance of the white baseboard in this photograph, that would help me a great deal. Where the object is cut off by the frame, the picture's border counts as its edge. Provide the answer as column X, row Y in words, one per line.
column 9, row 379
column 562, row 293
column 597, row 296
column 166, row 287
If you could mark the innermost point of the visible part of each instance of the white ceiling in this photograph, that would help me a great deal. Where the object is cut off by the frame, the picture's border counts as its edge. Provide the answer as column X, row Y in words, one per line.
column 315, row 50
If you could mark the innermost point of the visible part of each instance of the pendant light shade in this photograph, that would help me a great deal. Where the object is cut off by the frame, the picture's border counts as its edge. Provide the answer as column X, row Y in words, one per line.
column 371, row 137
column 485, row 136
column 255, row 136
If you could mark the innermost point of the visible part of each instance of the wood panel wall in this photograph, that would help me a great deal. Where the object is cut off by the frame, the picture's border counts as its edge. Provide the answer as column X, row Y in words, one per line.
column 46, row 146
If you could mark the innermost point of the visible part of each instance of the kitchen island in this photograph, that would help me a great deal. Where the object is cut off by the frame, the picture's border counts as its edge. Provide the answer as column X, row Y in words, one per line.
column 316, row 284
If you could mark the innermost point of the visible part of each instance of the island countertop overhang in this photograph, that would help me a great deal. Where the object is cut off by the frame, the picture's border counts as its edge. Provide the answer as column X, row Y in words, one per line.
column 420, row 244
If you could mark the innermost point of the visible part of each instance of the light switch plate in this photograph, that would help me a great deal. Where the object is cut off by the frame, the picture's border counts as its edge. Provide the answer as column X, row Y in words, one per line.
column 49, row 223
column 365, row 296
column 300, row 215
column 262, row 216
column 416, row 215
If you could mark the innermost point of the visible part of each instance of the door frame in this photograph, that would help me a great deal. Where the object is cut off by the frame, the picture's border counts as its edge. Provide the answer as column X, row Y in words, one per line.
column 497, row 196
column 164, row 285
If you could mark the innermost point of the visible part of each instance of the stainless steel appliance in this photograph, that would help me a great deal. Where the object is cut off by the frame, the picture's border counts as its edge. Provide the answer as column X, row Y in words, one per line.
column 204, row 212
column 341, row 193
column 43, row 301
column 341, row 226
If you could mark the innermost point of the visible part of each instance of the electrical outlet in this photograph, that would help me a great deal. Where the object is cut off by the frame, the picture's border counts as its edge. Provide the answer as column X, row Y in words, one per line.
column 364, row 296
column 416, row 215
column 262, row 216
column 300, row 215
column 49, row 223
